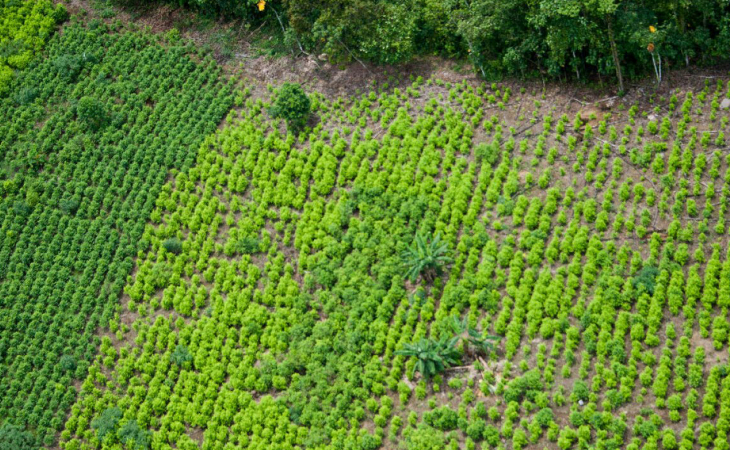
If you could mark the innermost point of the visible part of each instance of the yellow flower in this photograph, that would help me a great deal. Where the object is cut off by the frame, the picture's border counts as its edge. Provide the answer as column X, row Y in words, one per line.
column 652, row 28
column 261, row 4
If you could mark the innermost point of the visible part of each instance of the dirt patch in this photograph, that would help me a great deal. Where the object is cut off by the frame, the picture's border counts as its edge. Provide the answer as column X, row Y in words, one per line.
column 712, row 356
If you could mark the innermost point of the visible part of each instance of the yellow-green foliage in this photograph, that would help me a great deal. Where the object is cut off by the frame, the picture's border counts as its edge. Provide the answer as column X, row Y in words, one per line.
column 25, row 26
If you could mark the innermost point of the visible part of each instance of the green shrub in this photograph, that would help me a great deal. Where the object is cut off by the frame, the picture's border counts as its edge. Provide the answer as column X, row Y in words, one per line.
column 524, row 387
column 291, row 104
column 107, row 422
column 91, row 112
column 181, row 356
column 67, row 363
column 442, row 418
column 15, row 438
column 172, row 245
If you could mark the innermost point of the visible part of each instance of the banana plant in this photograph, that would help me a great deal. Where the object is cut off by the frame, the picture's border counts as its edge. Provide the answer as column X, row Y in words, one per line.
column 472, row 340
column 426, row 257
column 432, row 356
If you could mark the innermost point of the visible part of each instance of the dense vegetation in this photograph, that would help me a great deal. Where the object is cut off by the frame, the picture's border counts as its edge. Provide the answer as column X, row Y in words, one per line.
column 292, row 289
column 451, row 266
column 574, row 38
column 88, row 134
column 25, row 26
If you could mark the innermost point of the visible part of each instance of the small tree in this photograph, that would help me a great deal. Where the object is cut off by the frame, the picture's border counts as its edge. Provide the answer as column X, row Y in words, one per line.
column 293, row 105
column 426, row 257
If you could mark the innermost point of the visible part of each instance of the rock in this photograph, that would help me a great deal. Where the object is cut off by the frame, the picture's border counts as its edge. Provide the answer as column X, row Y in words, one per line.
column 580, row 402
column 725, row 104
column 652, row 117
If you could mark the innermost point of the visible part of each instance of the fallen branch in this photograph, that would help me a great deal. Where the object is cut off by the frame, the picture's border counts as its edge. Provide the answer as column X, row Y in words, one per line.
column 459, row 368
column 606, row 99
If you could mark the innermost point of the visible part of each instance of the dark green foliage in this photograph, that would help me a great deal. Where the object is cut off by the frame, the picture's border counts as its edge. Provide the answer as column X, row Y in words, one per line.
column 544, row 417
column 69, row 206
column 67, row 363
column 91, row 112
column 432, row 356
column 370, row 442
column 133, row 436
column 476, row 429
column 516, row 37
column 172, row 245
column 69, row 66
column 646, row 279
column 291, row 104
column 525, row 387
column 249, row 245
column 580, row 391
column 25, row 95
column 107, row 422
column 75, row 203
column 181, row 356
column 647, row 428
column 576, row 418
column 426, row 257
column 15, row 438
column 442, row 418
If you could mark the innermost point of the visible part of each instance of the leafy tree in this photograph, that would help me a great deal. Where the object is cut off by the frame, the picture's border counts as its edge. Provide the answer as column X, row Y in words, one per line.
column 426, row 257
column 432, row 356
column 374, row 30
column 291, row 104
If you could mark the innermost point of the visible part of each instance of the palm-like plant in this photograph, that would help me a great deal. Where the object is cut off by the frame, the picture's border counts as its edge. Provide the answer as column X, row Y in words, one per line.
column 426, row 257
column 432, row 356
column 471, row 338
